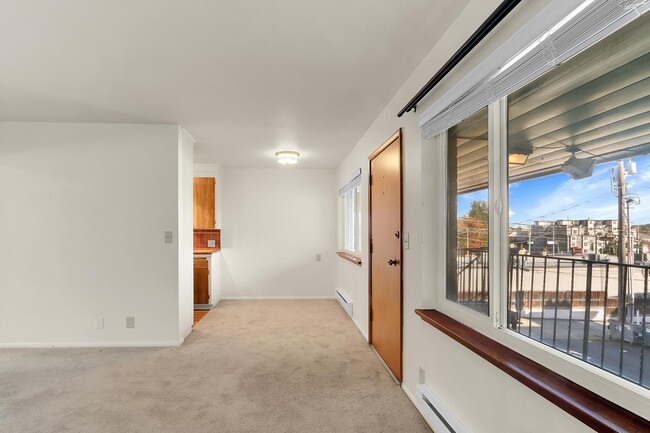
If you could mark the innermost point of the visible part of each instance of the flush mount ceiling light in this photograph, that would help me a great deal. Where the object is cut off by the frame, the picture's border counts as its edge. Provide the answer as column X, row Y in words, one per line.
column 287, row 157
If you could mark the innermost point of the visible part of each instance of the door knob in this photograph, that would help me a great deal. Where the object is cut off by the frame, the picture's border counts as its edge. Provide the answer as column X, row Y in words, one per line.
column 393, row 262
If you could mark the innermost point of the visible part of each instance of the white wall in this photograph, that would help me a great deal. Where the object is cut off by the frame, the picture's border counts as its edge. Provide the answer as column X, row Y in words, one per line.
column 484, row 398
column 274, row 223
column 83, row 210
column 185, row 232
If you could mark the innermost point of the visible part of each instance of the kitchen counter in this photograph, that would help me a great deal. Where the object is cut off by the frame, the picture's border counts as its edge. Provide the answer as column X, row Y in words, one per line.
column 206, row 250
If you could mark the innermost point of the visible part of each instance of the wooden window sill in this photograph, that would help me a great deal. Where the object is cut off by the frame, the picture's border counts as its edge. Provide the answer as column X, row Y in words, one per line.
column 595, row 411
column 349, row 257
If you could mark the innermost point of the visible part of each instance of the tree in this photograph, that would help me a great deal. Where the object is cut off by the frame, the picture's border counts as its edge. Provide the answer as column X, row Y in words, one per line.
column 473, row 227
column 478, row 210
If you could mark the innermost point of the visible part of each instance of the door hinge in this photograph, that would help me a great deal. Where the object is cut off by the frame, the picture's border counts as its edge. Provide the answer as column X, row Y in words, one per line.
column 371, row 315
column 370, row 246
column 371, row 180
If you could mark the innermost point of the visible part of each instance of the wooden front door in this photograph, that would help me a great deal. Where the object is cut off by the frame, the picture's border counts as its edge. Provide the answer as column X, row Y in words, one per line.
column 385, row 287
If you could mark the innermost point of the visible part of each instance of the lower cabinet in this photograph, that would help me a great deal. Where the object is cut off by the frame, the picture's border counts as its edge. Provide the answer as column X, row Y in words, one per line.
column 201, row 281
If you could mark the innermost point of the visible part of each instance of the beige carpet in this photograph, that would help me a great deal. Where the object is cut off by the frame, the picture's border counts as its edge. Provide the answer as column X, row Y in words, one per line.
column 249, row 366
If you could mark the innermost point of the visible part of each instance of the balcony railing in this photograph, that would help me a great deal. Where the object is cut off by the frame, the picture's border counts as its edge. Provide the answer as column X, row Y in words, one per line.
column 570, row 304
column 472, row 279
column 573, row 305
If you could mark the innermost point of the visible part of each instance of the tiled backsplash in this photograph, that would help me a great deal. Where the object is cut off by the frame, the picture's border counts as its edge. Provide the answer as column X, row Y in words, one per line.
column 202, row 236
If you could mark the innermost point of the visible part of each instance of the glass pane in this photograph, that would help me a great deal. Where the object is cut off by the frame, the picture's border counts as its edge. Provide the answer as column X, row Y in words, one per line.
column 579, row 193
column 357, row 219
column 349, row 220
column 467, row 228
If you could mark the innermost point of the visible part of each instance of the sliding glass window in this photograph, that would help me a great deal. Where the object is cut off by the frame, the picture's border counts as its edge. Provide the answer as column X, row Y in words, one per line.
column 467, row 219
column 579, row 205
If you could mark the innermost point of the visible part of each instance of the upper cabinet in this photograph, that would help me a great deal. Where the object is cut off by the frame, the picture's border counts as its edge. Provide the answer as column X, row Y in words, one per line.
column 204, row 209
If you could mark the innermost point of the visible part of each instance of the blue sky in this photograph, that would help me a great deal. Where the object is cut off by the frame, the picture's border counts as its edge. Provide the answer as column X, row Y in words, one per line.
column 560, row 197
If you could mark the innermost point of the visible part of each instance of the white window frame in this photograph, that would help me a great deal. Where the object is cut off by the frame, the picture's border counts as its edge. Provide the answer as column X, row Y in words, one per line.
column 434, row 154
column 350, row 215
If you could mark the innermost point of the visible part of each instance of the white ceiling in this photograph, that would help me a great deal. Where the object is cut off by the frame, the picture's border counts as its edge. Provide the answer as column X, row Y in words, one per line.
column 244, row 77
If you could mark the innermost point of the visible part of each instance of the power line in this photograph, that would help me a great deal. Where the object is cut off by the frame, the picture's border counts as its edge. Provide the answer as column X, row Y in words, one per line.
column 541, row 217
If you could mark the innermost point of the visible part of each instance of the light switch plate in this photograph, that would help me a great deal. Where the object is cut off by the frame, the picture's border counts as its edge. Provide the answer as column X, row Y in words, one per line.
column 99, row 323
column 169, row 238
column 130, row 322
column 212, row 243
column 318, row 257
column 407, row 244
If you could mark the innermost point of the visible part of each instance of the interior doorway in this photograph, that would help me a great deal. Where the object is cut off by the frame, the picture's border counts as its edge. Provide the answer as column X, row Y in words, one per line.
column 385, row 238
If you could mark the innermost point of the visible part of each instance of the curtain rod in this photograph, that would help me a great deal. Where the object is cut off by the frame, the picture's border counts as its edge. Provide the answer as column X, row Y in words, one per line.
column 490, row 23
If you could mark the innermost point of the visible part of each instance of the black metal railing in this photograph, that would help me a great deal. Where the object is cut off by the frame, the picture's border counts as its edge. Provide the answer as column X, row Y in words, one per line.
column 473, row 278
column 572, row 305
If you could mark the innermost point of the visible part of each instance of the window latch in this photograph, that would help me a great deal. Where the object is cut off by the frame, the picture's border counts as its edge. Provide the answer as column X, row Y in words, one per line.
column 498, row 206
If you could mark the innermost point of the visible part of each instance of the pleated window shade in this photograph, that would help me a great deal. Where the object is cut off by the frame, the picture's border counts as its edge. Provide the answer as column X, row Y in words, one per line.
column 590, row 22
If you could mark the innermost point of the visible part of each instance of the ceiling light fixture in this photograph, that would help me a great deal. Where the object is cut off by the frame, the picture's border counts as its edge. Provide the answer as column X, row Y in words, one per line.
column 517, row 158
column 287, row 157
column 578, row 168
column 518, row 154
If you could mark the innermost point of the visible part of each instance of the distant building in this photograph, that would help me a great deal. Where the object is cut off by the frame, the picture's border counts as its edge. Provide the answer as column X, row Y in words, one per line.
column 587, row 236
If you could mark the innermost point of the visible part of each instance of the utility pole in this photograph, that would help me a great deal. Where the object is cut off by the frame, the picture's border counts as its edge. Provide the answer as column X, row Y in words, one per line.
column 621, row 245
column 630, row 242
column 553, row 238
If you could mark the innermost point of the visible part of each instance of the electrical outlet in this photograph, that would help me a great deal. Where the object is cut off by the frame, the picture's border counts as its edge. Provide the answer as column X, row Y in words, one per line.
column 99, row 323
column 421, row 377
column 130, row 322
column 169, row 238
column 318, row 257
column 212, row 243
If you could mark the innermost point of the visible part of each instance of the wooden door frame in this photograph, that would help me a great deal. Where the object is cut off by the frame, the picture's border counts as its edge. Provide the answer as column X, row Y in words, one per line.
column 396, row 136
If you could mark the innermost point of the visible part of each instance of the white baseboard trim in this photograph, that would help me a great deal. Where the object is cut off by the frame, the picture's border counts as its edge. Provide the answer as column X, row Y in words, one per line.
column 409, row 395
column 363, row 333
column 59, row 345
column 277, row 298
column 415, row 403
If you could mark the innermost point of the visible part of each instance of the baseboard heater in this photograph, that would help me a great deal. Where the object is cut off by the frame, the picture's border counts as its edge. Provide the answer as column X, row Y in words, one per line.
column 345, row 302
column 437, row 415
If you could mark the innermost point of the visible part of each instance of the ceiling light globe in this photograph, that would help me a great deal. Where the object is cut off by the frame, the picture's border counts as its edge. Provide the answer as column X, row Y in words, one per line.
column 287, row 157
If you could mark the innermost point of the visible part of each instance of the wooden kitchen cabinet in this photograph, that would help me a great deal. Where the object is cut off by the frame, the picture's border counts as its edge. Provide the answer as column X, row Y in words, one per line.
column 201, row 281
column 204, row 206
